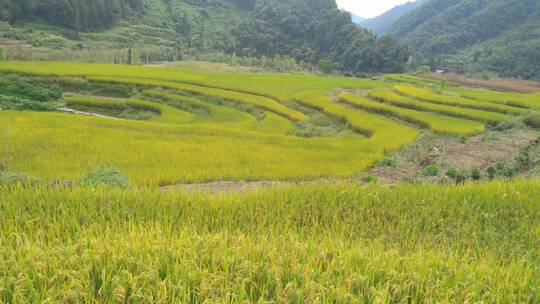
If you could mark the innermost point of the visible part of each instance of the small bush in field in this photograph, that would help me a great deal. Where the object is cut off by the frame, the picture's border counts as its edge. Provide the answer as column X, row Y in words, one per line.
column 386, row 162
column 476, row 174
column 452, row 172
column 431, row 170
column 107, row 176
column 533, row 121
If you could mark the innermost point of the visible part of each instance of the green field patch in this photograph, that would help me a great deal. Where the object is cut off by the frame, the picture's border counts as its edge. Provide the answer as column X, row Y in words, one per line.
column 430, row 96
column 206, row 111
column 405, row 102
column 436, row 122
column 259, row 101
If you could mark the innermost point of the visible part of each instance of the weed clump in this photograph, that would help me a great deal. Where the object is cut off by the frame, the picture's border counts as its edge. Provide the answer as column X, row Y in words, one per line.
column 105, row 176
column 452, row 172
column 431, row 170
column 533, row 121
column 387, row 161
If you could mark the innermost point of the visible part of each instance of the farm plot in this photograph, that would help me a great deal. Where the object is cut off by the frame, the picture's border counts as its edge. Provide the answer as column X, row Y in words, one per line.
column 436, row 122
column 529, row 101
column 430, row 96
column 406, row 102
column 322, row 243
column 172, row 131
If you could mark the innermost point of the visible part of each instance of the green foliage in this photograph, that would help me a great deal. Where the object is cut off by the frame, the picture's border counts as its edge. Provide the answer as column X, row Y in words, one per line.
column 387, row 161
column 32, row 91
column 491, row 172
column 452, row 172
column 476, row 174
column 278, row 30
column 430, row 170
column 475, row 36
column 105, row 176
column 21, row 95
column 325, row 66
column 533, row 120
column 369, row 178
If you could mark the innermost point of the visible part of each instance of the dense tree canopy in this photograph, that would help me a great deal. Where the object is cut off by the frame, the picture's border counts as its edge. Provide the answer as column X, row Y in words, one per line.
column 78, row 15
column 495, row 35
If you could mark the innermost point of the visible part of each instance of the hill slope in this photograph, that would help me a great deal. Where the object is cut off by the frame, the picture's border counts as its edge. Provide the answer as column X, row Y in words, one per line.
column 499, row 35
column 381, row 24
column 158, row 30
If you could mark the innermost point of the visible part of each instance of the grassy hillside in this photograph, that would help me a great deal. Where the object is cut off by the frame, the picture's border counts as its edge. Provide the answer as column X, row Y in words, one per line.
column 327, row 244
column 280, row 34
column 496, row 36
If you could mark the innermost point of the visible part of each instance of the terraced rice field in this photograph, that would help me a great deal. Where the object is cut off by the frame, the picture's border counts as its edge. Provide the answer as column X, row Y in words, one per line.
column 184, row 126
column 66, row 241
column 436, row 122
column 318, row 244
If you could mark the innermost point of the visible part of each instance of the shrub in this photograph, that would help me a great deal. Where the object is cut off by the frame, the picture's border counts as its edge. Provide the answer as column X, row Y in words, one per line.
column 461, row 178
column 533, row 120
column 32, row 92
column 369, row 178
column 105, row 175
column 476, row 174
column 491, row 172
column 431, row 170
column 452, row 172
column 387, row 161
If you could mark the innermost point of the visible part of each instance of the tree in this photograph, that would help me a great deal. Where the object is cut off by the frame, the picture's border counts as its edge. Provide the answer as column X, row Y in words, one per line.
column 325, row 66
column 130, row 57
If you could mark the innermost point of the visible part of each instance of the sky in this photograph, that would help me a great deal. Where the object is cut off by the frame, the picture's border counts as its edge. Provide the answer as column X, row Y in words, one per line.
column 368, row 8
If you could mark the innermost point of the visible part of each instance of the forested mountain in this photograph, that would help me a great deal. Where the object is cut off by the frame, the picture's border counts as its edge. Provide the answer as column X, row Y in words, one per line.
column 357, row 19
column 315, row 32
column 381, row 24
column 501, row 36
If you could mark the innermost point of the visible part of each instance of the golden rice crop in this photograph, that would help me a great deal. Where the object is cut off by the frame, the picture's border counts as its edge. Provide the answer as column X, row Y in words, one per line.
column 318, row 244
column 430, row 96
column 436, row 122
column 64, row 146
column 385, row 134
column 405, row 102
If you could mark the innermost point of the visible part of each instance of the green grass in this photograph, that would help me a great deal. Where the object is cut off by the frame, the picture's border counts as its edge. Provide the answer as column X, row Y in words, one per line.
column 436, row 122
column 319, row 244
column 405, row 102
column 430, row 96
